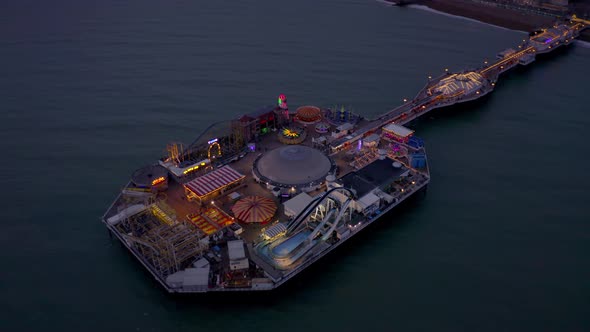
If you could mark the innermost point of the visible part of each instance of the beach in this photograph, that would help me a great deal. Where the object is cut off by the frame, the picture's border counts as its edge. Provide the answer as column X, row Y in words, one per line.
column 490, row 14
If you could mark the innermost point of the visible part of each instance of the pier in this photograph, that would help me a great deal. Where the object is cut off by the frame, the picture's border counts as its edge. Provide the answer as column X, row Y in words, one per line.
column 258, row 199
column 453, row 88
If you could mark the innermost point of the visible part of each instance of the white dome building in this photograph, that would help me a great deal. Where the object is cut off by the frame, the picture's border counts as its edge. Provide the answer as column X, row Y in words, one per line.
column 293, row 166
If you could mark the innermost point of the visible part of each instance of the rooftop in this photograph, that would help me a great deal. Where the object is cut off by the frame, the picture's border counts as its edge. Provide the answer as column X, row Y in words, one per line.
column 398, row 130
column 285, row 165
column 359, row 184
column 214, row 180
column 145, row 176
column 296, row 204
column 381, row 171
column 457, row 83
column 236, row 249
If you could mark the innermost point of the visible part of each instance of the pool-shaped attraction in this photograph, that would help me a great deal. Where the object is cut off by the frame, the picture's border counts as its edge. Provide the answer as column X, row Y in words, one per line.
column 286, row 248
column 282, row 253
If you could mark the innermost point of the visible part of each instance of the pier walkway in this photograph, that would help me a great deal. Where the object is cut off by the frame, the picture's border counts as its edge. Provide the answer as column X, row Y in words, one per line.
column 453, row 88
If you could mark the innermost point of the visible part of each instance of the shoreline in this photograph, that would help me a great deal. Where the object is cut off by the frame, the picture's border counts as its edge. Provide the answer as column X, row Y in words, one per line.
column 501, row 17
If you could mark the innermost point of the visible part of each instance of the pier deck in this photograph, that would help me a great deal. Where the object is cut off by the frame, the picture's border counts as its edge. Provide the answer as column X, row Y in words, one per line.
column 184, row 242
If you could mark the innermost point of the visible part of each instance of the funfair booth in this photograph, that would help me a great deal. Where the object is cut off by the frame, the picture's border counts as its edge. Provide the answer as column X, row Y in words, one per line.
column 397, row 133
column 212, row 184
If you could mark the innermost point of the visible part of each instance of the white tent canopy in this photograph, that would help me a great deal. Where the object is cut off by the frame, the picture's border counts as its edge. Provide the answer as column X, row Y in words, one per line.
column 236, row 249
column 296, row 204
column 368, row 200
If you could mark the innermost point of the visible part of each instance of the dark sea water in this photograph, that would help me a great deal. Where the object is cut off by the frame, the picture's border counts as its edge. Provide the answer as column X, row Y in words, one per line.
column 92, row 90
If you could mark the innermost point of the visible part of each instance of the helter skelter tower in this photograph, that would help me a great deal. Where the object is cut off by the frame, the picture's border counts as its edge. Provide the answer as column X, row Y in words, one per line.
column 283, row 108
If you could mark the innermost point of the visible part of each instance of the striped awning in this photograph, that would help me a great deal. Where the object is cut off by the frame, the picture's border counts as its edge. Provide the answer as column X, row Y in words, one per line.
column 254, row 209
column 214, row 180
column 275, row 230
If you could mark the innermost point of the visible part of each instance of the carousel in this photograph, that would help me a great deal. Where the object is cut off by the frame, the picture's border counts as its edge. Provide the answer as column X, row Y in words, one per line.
column 308, row 114
column 254, row 209
column 322, row 128
column 292, row 135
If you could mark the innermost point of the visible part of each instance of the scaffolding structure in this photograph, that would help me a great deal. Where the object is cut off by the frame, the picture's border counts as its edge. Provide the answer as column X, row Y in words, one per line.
column 163, row 212
column 167, row 248
column 237, row 138
column 175, row 152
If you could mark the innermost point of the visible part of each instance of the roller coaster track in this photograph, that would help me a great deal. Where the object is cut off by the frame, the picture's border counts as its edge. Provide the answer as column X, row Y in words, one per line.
column 142, row 242
column 312, row 206
column 202, row 134
column 337, row 220
column 321, row 225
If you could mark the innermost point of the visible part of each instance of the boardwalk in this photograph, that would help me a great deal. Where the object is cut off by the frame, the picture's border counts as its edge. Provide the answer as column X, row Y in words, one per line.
column 453, row 88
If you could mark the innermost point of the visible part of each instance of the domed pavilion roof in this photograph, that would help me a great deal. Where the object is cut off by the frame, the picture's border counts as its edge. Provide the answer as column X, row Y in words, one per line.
column 293, row 165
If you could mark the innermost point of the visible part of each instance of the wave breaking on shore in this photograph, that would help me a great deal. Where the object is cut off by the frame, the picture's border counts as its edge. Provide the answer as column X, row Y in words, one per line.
column 385, row 2
column 428, row 9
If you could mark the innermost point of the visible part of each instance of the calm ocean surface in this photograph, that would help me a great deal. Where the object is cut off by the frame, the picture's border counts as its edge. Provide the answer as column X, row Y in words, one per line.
column 92, row 90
